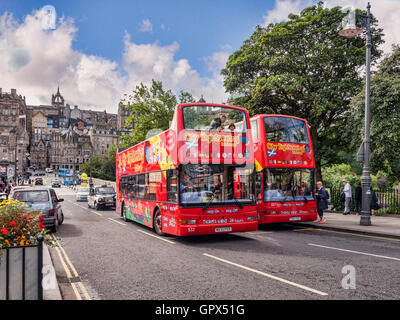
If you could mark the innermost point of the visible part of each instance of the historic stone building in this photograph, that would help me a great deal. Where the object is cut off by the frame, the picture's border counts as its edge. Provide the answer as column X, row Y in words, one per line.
column 56, row 135
column 14, row 136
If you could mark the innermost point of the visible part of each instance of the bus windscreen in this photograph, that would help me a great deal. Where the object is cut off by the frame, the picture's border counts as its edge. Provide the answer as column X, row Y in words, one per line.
column 214, row 118
column 285, row 129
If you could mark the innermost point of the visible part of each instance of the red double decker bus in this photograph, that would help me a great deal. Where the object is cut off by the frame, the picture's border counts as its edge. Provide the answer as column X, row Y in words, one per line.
column 195, row 178
column 285, row 168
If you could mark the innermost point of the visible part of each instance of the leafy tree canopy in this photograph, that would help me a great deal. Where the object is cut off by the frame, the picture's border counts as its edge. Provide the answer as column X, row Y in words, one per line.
column 385, row 117
column 303, row 67
column 151, row 110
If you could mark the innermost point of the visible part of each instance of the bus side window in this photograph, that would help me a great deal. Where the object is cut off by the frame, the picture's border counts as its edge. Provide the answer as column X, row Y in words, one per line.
column 172, row 185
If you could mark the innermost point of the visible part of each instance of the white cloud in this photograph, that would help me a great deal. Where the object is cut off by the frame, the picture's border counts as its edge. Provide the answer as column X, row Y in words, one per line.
column 146, row 26
column 386, row 11
column 89, row 80
column 283, row 8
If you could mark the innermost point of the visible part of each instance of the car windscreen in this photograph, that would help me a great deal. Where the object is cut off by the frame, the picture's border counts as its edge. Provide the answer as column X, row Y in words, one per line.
column 105, row 190
column 31, row 196
column 83, row 190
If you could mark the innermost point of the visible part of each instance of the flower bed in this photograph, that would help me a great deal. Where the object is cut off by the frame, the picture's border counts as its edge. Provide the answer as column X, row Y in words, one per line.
column 21, row 259
column 19, row 226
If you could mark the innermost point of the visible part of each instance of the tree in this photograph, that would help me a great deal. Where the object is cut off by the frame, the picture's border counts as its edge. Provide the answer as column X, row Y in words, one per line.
column 151, row 109
column 102, row 166
column 385, row 117
column 303, row 67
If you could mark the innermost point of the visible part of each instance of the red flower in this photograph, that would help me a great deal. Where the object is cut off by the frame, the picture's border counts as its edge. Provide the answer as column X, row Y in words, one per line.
column 13, row 224
column 41, row 226
column 4, row 231
column 41, row 219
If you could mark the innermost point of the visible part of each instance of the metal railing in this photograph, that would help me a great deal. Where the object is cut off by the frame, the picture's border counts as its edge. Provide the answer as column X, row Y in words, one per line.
column 388, row 199
column 21, row 272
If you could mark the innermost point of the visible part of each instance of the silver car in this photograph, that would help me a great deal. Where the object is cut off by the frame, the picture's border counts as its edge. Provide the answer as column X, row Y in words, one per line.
column 82, row 193
column 44, row 200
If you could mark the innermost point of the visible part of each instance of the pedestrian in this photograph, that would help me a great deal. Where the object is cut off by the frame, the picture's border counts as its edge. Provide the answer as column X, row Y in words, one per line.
column 347, row 193
column 322, row 201
column 374, row 205
column 357, row 198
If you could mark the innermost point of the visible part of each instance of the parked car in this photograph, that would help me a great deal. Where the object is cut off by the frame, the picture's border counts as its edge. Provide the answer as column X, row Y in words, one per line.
column 56, row 183
column 43, row 200
column 49, row 170
column 101, row 197
column 3, row 196
column 82, row 193
column 18, row 188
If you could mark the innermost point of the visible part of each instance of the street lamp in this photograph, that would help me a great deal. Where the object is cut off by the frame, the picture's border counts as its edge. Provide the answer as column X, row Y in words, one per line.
column 350, row 30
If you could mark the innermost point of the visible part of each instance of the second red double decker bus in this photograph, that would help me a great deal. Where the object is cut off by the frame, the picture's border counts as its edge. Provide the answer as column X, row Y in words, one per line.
column 285, row 168
column 195, row 178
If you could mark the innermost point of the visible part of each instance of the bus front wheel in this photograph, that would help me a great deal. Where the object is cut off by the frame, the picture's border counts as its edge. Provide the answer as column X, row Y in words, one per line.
column 124, row 213
column 157, row 222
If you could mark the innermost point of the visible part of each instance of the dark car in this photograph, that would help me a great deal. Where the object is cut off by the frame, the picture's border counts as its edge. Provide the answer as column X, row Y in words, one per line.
column 56, row 183
column 38, row 182
column 43, row 200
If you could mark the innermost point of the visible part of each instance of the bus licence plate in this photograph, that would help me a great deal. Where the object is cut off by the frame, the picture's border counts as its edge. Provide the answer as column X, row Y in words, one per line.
column 225, row 229
column 295, row 218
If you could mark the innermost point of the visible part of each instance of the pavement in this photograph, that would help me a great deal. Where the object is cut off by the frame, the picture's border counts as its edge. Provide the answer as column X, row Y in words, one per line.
column 51, row 290
column 380, row 225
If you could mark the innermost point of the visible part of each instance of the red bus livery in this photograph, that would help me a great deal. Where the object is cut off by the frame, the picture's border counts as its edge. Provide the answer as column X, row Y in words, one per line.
column 195, row 178
column 285, row 166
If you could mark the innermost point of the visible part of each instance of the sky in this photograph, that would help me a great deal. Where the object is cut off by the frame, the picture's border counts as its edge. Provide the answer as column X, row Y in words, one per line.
column 100, row 50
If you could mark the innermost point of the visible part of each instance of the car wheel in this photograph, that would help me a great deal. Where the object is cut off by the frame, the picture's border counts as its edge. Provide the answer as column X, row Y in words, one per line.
column 157, row 222
column 62, row 219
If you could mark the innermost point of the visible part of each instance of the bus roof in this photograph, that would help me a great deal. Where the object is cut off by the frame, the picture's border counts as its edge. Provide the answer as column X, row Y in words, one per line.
column 276, row 115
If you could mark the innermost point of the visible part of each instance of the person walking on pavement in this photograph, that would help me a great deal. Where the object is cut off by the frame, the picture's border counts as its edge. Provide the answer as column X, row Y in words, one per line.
column 358, row 198
column 322, row 201
column 374, row 205
column 347, row 193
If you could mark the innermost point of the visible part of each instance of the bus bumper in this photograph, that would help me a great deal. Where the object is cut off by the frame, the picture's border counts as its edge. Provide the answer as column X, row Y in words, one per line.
column 203, row 229
column 282, row 218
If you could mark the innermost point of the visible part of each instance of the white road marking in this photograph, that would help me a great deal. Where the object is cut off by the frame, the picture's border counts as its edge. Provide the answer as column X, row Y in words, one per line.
column 267, row 275
column 160, row 238
column 115, row 221
column 358, row 252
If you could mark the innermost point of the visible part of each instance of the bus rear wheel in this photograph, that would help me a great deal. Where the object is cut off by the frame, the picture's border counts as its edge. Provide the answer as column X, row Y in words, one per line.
column 157, row 222
column 124, row 214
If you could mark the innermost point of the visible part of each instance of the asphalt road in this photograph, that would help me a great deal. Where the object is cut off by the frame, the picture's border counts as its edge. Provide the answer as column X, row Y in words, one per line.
column 110, row 259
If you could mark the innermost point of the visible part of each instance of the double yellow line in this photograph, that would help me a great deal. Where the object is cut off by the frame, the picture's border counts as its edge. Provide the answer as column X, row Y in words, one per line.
column 72, row 274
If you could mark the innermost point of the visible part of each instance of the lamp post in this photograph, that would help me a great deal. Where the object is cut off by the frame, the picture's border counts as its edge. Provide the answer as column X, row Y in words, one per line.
column 350, row 30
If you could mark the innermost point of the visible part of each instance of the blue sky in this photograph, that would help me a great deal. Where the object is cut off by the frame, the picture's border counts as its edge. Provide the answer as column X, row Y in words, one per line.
column 199, row 27
column 102, row 49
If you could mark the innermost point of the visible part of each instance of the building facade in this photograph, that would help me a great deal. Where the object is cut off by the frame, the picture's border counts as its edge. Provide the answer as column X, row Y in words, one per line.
column 53, row 136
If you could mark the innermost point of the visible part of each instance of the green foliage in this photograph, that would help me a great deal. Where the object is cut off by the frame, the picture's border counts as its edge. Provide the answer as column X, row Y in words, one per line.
column 102, row 166
column 385, row 117
column 150, row 108
column 334, row 175
column 303, row 67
